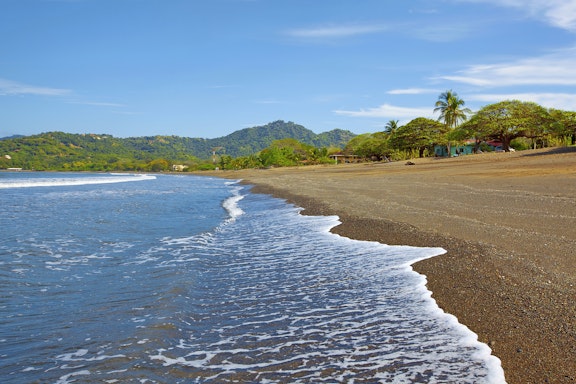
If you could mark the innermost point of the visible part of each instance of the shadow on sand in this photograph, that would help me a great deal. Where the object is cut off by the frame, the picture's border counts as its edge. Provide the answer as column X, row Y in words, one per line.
column 553, row 151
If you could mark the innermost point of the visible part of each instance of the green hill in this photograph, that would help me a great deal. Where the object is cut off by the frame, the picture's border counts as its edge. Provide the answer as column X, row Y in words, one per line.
column 252, row 140
column 66, row 151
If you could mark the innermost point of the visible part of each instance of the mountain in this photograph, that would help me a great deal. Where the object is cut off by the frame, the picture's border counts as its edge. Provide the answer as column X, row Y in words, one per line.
column 252, row 140
column 59, row 150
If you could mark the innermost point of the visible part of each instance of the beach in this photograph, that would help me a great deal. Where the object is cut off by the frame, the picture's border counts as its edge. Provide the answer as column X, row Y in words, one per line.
column 506, row 220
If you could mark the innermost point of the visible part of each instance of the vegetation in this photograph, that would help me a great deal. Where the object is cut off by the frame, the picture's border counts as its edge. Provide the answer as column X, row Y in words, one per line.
column 511, row 123
column 101, row 152
column 281, row 153
column 508, row 120
column 452, row 112
column 419, row 135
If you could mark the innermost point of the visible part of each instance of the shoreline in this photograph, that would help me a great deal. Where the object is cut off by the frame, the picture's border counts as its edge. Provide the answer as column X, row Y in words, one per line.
column 506, row 221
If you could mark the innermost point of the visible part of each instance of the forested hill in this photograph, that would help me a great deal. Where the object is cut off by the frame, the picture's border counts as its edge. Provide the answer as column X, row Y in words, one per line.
column 252, row 140
column 54, row 149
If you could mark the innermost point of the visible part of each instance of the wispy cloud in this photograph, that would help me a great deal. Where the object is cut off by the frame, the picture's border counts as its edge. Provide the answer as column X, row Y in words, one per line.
column 559, row 13
column 389, row 111
column 435, row 33
column 554, row 69
column 335, row 31
column 8, row 87
column 426, row 11
column 98, row 104
column 412, row 91
column 566, row 101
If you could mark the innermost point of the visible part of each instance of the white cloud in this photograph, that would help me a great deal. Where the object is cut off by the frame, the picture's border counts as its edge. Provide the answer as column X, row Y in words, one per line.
column 554, row 69
column 97, row 104
column 565, row 101
column 563, row 14
column 559, row 13
column 8, row 87
column 389, row 111
column 412, row 91
column 336, row 31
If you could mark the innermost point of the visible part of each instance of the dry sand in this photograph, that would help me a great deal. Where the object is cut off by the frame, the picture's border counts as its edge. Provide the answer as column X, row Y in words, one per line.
column 507, row 220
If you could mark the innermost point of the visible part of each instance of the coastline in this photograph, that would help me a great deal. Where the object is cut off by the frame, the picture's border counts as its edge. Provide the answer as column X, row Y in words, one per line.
column 506, row 221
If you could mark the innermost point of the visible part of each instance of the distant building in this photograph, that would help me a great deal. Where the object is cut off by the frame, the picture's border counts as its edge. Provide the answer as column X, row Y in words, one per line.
column 467, row 148
column 495, row 145
column 179, row 167
column 340, row 158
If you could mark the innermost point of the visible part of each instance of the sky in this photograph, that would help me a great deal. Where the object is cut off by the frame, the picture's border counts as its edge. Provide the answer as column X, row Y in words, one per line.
column 207, row 68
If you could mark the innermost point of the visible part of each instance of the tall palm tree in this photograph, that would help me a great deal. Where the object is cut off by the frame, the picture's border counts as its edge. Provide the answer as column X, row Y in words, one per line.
column 452, row 111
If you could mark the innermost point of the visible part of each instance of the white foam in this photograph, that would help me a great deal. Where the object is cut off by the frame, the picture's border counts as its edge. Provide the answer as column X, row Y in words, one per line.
column 231, row 204
column 273, row 295
column 80, row 354
column 71, row 181
column 66, row 378
column 349, row 283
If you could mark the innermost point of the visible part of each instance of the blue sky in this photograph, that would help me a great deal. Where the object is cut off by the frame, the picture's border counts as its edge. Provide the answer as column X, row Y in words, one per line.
column 206, row 68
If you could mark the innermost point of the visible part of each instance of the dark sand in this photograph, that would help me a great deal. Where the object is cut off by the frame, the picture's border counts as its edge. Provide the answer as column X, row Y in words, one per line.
column 507, row 220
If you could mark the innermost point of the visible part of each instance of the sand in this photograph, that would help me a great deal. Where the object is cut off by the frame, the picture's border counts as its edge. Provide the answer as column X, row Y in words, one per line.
column 507, row 221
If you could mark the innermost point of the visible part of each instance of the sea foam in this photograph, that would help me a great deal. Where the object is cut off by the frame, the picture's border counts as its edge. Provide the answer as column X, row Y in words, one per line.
column 195, row 280
column 71, row 181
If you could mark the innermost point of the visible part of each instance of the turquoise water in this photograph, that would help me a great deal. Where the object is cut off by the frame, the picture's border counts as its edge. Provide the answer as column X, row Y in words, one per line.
column 184, row 279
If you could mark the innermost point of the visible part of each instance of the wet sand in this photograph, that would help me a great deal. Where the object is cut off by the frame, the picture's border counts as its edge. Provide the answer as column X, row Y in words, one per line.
column 507, row 221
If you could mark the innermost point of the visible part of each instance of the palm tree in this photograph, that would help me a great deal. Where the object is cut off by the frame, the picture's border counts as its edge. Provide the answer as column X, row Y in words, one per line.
column 452, row 111
column 391, row 127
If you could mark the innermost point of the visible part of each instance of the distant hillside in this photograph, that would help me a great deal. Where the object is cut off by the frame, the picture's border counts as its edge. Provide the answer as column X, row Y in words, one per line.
column 11, row 137
column 252, row 140
column 59, row 150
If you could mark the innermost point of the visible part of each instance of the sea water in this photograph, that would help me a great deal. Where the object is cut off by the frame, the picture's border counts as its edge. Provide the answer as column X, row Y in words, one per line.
column 120, row 278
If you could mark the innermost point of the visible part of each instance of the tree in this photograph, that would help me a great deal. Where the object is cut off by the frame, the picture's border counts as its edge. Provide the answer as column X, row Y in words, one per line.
column 510, row 119
column 159, row 165
column 470, row 129
column 564, row 124
column 369, row 146
column 225, row 161
column 452, row 111
column 391, row 127
column 419, row 134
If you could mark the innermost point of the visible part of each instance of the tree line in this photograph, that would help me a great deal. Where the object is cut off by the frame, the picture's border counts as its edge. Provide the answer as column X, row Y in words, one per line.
column 513, row 123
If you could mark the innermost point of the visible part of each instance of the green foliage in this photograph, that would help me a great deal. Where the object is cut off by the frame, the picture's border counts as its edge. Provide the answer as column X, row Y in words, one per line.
column 281, row 153
column 564, row 125
column 249, row 141
column 520, row 144
column 518, row 124
column 391, row 126
column 420, row 134
column 370, row 146
column 451, row 108
column 82, row 152
column 510, row 119
column 159, row 165
column 101, row 152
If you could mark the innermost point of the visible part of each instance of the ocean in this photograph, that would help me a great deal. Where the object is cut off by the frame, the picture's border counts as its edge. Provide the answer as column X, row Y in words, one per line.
column 124, row 278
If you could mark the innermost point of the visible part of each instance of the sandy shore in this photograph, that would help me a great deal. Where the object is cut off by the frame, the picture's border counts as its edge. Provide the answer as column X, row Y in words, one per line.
column 507, row 220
